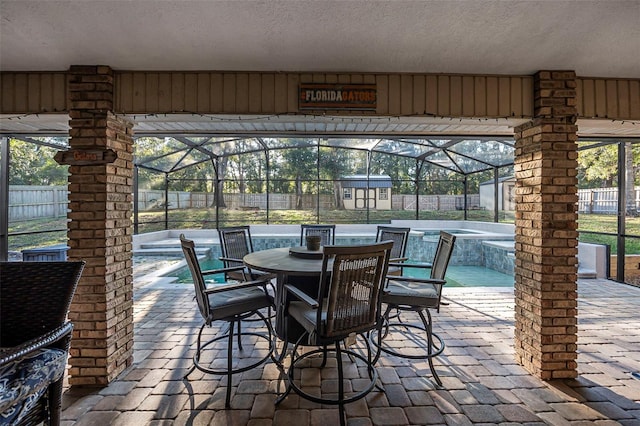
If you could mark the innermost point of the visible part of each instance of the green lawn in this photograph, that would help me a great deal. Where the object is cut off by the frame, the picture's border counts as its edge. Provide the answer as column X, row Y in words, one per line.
column 608, row 224
column 205, row 219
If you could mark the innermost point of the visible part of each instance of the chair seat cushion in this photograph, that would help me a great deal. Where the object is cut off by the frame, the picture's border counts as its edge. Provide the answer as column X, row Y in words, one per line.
column 422, row 295
column 23, row 382
column 305, row 315
column 234, row 302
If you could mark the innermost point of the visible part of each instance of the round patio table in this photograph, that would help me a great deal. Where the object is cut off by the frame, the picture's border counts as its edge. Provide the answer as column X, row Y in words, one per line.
column 301, row 270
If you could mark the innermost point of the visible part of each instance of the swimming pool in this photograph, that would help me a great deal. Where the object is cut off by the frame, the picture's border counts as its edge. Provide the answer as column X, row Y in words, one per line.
column 457, row 275
column 483, row 255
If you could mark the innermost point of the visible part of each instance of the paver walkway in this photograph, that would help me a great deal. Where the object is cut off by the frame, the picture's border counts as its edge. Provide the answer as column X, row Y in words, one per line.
column 482, row 383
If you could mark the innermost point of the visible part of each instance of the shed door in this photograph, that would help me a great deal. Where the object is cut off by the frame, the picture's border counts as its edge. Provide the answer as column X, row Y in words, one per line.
column 361, row 199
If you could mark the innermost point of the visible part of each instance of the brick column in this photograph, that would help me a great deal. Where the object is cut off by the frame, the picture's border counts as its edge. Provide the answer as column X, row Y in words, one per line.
column 546, row 231
column 100, row 231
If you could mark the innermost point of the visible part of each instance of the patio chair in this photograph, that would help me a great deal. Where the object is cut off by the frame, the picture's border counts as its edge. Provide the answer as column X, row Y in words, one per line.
column 230, row 303
column 352, row 279
column 235, row 243
column 400, row 238
column 35, row 337
column 419, row 295
column 327, row 233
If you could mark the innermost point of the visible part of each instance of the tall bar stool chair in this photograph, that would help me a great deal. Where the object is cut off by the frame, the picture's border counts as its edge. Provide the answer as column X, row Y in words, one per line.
column 327, row 233
column 230, row 303
column 235, row 243
column 400, row 238
column 347, row 306
column 406, row 293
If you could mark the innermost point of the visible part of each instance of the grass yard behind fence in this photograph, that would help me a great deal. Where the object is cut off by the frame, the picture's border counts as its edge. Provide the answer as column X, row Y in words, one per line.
column 205, row 219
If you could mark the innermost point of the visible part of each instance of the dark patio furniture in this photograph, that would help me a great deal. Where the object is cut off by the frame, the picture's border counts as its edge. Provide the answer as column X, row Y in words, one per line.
column 235, row 243
column 301, row 272
column 327, row 233
column 231, row 303
column 351, row 307
column 34, row 338
column 400, row 238
column 406, row 293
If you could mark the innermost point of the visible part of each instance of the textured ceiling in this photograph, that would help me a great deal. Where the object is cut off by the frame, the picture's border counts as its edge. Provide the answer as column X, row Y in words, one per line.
column 594, row 38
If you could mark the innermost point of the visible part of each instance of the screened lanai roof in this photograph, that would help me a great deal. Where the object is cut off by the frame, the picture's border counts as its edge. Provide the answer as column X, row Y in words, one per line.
column 461, row 145
column 463, row 155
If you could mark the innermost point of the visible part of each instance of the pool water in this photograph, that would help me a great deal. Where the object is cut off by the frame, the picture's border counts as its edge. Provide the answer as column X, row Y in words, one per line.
column 184, row 275
column 477, row 276
column 457, row 276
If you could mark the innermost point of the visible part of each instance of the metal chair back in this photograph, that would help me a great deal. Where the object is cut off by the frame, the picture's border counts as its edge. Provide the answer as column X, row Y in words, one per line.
column 443, row 255
column 353, row 286
column 399, row 236
column 327, row 233
column 235, row 243
column 189, row 250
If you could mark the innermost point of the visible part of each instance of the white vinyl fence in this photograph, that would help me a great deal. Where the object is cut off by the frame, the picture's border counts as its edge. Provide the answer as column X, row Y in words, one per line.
column 604, row 200
column 37, row 202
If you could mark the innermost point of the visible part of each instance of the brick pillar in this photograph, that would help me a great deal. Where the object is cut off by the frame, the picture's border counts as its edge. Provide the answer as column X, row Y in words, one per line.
column 100, row 231
column 546, row 231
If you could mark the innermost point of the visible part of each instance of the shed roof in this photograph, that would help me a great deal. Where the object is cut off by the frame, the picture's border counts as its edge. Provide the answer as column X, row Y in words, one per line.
column 364, row 181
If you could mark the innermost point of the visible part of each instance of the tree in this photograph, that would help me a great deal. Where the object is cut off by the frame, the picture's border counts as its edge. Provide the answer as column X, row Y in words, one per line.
column 300, row 164
column 402, row 171
column 598, row 167
column 222, row 172
column 33, row 164
column 154, row 157
column 337, row 162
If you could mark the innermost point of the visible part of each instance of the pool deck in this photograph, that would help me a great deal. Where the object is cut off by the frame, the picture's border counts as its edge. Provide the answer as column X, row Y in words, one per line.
column 482, row 383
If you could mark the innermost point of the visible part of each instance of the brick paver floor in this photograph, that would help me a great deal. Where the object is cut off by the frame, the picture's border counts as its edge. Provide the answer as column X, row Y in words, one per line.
column 482, row 384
